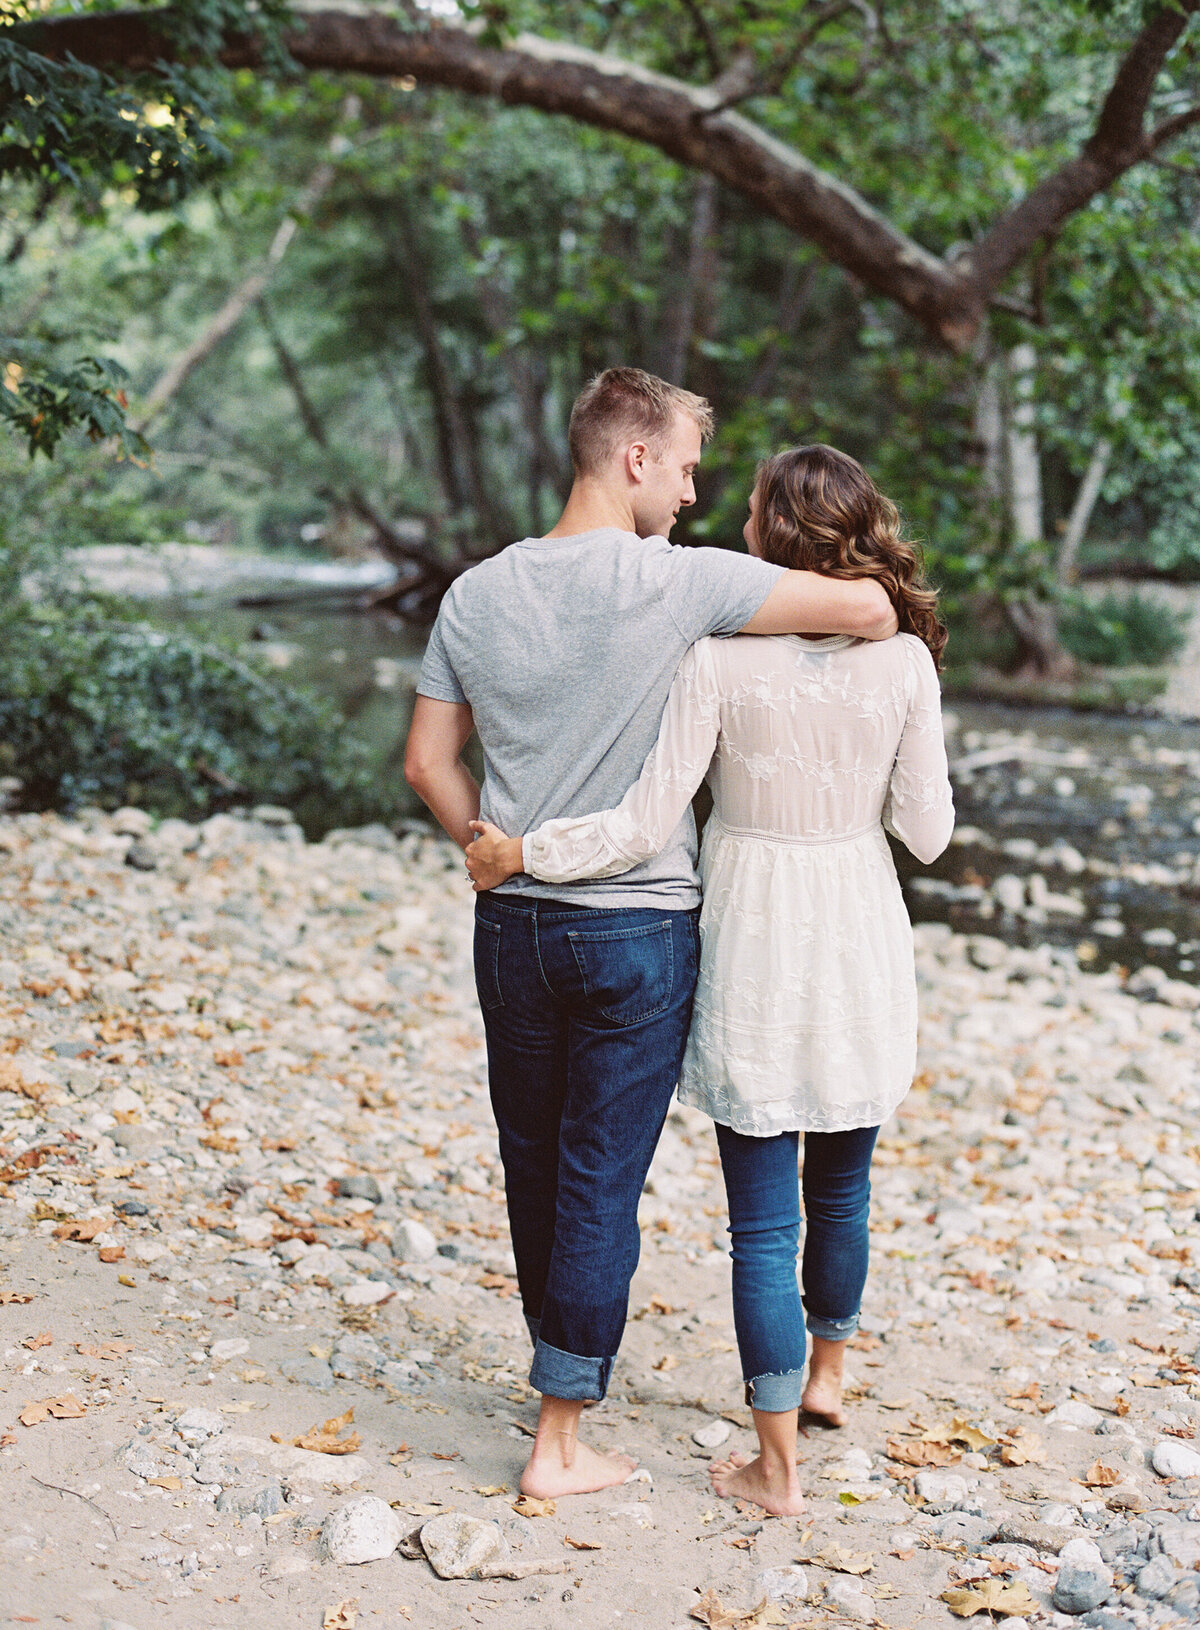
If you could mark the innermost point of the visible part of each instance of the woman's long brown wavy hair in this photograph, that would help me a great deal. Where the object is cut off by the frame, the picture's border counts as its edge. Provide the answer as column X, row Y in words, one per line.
column 819, row 511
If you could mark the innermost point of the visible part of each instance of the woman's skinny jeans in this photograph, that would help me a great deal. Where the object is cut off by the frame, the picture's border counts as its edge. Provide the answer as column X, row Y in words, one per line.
column 763, row 1189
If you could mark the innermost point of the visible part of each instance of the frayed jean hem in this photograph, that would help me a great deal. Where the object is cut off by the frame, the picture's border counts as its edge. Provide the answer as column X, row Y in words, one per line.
column 831, row 1329
column 774, row 1394
column 568, row 1375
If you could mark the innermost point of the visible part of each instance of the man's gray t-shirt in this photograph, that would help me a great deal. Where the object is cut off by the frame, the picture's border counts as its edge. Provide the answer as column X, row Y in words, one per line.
column 565, row 649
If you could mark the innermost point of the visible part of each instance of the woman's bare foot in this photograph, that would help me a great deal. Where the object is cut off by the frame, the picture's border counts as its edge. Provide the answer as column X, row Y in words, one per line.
column 775, row 1488
column 572, row 1469
column 822, row 1396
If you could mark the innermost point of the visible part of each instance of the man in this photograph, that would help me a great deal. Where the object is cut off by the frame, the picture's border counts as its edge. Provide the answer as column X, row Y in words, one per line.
column 560, row 652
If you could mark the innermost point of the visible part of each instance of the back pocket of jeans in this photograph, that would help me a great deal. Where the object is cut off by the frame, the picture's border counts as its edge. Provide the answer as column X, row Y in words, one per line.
column 627, row 973
column 487, row 964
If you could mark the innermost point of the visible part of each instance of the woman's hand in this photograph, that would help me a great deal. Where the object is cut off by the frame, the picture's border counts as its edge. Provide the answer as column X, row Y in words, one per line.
column 491, row 857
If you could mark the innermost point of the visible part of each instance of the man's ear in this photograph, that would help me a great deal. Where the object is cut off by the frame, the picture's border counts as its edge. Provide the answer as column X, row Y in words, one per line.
column 637, row 456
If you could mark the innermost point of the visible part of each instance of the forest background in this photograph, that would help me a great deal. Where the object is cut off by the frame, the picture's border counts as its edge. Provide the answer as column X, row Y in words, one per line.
column 288, row 279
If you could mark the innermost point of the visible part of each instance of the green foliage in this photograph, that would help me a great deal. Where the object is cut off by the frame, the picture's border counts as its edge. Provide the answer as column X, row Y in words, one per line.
column 1122, row 631
column 41, row 400
column 98, row 711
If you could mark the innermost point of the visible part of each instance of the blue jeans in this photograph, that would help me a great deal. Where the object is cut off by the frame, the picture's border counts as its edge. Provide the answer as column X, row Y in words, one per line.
column 586, row 1012
column 763, row 1190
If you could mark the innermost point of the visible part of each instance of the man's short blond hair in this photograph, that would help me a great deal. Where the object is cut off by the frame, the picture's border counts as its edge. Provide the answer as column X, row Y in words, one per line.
column 624, row 405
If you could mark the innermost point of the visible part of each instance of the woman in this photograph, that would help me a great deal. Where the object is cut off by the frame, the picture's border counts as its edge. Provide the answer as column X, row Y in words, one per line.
column 805, row 1012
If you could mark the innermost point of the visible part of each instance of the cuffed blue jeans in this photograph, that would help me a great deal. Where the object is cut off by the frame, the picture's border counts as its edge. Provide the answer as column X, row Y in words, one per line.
column 763, row 1190
column 586, row 1013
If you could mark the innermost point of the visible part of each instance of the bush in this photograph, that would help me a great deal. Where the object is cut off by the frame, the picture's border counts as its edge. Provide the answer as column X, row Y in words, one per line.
column 1122, row 631
column 103, row 712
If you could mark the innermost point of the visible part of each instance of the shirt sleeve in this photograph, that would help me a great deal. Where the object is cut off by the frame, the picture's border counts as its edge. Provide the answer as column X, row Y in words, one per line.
column 919, row 809
column 715, row 591
column 605, row 844
column 437, row 678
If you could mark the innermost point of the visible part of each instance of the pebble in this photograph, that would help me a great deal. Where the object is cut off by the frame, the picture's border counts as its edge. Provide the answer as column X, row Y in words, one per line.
column 1084, row 1578
column 851, row 1600
column 787, row 1586
column 460, row 1547
column 413, row 1242
column 362, row 1530
column 366, row 1293
column 1157, row 1577
column 712, row 1435
column 1174, row 1459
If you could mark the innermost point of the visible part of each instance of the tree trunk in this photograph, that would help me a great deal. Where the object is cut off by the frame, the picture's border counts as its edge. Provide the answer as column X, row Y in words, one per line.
column 1024, row 464
column 695, row 292
column 1081, row 512
column 251, row 289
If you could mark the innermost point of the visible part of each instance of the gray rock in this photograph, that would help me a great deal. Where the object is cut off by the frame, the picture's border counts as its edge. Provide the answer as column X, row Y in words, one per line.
column 1084, row 1578
column 1157, row 1578
column 1103, row 1618
column 850, row 1599
column 1173, row 1459
column 141, row 857
column 309, row 1372
column 360, row 1187
column 362, row 1530
column 960, row 1528
column 460, row 1547
column 1185, row 1596
column 195, row 1425
column 787, row 1586
column 711, row 1435
column 944, row 1488
column 1180, row 1541
column 413, row 1242
column 356, row 1355
column 142, row 1142
column 1120, row 1542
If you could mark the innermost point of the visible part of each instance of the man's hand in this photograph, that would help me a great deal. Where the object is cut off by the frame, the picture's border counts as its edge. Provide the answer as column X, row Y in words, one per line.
column 492, row 858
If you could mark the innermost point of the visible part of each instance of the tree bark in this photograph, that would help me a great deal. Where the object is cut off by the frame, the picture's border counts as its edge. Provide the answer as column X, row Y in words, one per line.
column 1024, row 464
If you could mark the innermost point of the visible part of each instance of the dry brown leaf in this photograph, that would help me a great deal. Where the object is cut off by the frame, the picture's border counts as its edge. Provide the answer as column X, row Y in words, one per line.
column 453, row 1455
column 1121, row 1407
column 7, row 1439
column 324, row 1439
column 111, row 1253
column 65, row 1408
column 342, row 1617
column 83, row 1230
column 921, row 1453
column 710, row 1610
column 958, row 1431
column 34, row 1342
column 10, row 1297
column 222, row 1145
column 498, row 1281
column 989, row 1596
column 489, row 1490
column 837, row 1558
column 527, row 1506
column 1099, row 1476
column 582, row 1544
column 1022, row 1448
column 667, row 1362
column 104, row 1349
column 165, row 1482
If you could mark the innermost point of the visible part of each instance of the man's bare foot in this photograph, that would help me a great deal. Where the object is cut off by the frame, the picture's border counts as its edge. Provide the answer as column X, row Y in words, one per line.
column 822, row 1400
column 777, row 1490
column 570, row 1467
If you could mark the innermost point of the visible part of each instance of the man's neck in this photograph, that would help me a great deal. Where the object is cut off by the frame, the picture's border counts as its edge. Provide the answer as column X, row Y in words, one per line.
column 591, row 507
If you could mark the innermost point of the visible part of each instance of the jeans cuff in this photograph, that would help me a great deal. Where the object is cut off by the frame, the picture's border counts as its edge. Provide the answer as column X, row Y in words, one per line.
column 534, row 1326
column 568, row 1375
column 775, row 1393
column 831, row 1329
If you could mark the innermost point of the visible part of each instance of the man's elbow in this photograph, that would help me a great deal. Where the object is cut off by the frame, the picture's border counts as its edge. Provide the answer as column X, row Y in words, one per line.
column 418, row 770
column 873, row 613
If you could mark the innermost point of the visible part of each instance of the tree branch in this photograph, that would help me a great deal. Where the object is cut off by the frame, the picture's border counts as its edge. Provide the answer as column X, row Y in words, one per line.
column 1118, row 142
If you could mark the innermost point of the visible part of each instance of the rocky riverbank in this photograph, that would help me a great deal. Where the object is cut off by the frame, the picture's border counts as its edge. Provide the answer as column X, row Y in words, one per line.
column 256, row 1300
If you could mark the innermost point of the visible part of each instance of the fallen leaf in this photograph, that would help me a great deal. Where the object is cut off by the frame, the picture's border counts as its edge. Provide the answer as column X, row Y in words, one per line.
column 67, row 1407
column 342, row 1617
column 127, row 1280
column 489, row 1490
column 84, row 1230
column 498, row 1281
column 658, row 1304
column 34, row 1342
column 667, row 1362
column 324, row 1439
column 958, row 1431
column 1121, row 1407
column 839, row 1560
column 7, row 1439
column 222, row 1145
column 1099, row 1476
column 989, row 1596
column 848, row 1497
column 527, row 1506
column 104, row 1349
column 1021, row 1449
column 9, row 1297
column 921, row 1453
column 111, row 1253
column 710, row 1610
column 582, row 1544
column 165, row 1482
column 454, row 1455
